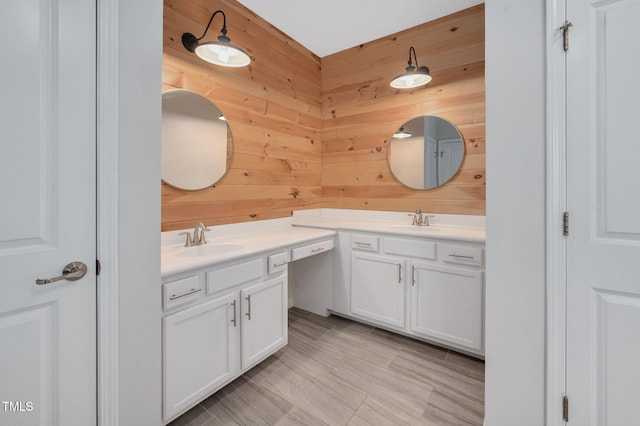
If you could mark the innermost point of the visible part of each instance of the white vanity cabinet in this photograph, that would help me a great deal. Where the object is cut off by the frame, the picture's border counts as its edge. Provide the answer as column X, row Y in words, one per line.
column 224, row 315
column 241, row 320
column 418, row 286
column 447, row 298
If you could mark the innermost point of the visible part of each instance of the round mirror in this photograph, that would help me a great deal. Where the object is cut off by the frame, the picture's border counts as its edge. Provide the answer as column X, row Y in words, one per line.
column 426, row 152
column 197, row 145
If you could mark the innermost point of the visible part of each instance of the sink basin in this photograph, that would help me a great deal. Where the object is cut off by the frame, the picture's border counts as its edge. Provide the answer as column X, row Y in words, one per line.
column 209, row 249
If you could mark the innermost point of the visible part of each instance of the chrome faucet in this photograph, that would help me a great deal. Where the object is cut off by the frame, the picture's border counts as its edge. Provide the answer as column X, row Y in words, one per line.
column 198, row 237
column 419, row 219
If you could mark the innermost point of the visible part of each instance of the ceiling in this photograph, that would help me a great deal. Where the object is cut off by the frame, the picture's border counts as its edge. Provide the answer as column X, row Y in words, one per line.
column 329, row 26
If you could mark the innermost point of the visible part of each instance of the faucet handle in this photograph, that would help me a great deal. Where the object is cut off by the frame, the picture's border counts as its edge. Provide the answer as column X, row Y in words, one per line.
column 189, row 241
column 425, row 221
column 415, row 218
column 203, row 239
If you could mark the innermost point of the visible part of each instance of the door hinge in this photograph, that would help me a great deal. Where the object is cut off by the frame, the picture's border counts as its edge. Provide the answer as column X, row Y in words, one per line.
column 565, row 34
column 565, row 409
column 98, row 267
column 565, row 223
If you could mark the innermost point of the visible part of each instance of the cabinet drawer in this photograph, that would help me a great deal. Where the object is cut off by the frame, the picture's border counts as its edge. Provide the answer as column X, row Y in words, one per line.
column 411, row 248
column 278, row 262
column 233, row 275
column 364, row 242
column 311, row 249
column 181, row 292
column 462, row 255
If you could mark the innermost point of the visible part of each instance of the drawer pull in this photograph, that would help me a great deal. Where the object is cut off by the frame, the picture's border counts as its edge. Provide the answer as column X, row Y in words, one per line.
column 316, row 250
column 399, row 273
column 459, row 256
column 178, row 296
column 248, row 314
column 275, row 265
column 234, row 313
column 362, row 244
column 413, row 275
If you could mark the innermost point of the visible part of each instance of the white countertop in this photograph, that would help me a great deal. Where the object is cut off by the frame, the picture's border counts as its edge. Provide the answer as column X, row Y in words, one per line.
column 445, row 227
column 234, row 241
column 234, row 246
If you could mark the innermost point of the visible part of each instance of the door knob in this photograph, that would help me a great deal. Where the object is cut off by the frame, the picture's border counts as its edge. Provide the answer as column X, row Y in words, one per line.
column 72, row 272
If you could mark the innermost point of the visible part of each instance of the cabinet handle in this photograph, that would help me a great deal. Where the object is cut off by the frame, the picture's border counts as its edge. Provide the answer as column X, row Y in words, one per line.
column 275, row 265
column 462, row 256
column 235, row 323
column 316, row 250
column 399, row 273
column 362, row 244
column 178, row 296
column 413, row 275
column 248, row 314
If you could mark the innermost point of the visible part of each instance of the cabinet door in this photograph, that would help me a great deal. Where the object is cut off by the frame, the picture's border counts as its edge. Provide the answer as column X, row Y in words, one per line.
column 447, row 303
column 264, row 320
column 200, row 352
column 377, row 288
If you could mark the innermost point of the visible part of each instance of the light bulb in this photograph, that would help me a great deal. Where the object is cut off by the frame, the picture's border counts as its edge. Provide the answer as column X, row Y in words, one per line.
column 410, row 79
column 223, row 55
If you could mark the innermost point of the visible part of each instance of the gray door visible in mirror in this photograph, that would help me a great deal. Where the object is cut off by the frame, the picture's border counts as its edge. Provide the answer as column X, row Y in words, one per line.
column 197, row 145
column 427, row 154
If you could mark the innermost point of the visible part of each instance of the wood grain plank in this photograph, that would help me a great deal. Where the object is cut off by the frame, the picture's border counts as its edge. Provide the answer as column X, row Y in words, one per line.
column 320, row 127
column 361, row 112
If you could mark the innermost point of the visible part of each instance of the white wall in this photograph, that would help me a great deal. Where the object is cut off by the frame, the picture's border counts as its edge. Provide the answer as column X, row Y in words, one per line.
column 140, row 65
column 408, row 161
column 515, row 279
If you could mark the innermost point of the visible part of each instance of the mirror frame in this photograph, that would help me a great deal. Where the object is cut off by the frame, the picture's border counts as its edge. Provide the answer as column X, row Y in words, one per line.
column 230, row 148
column 453, row 175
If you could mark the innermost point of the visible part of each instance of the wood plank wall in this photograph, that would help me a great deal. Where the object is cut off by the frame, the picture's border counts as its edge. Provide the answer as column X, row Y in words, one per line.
column 272, row 107
column 311, row 132
column 360, row 112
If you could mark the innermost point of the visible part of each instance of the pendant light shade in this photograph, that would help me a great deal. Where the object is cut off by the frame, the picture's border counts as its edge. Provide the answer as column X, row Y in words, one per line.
column 220, row 52
column 413, row 76
column 401, row 133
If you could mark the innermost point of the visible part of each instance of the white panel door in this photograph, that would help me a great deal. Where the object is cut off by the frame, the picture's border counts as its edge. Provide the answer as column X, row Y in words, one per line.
column 47, row 212
column 603, row 187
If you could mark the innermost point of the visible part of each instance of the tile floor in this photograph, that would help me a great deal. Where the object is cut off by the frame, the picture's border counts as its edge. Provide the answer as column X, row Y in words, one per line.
column 339, row 372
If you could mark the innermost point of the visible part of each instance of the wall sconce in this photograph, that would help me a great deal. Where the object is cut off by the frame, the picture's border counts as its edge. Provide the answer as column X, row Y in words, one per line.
column 220, row 52
column 401, row 133
column 413, row 76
